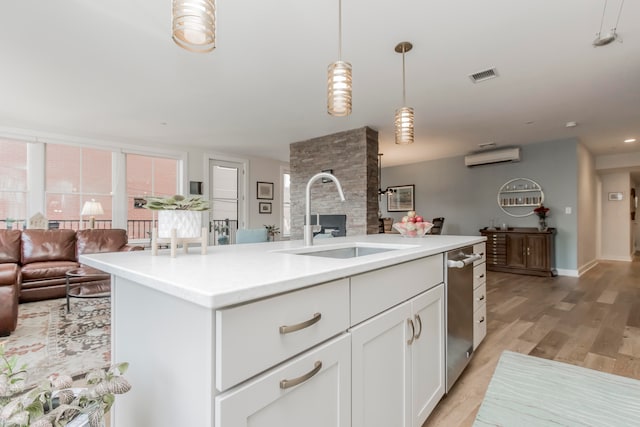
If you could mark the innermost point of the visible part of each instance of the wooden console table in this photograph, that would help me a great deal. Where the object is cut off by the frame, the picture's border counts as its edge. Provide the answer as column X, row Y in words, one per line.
column 521, row 251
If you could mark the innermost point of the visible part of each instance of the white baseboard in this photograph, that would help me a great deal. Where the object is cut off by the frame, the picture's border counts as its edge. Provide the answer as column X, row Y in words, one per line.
column 616, row 258
column 586, row 267
column 566, row 272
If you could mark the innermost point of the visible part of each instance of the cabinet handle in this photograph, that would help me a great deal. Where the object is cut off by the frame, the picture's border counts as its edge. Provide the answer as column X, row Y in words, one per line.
column 285, row 384
column 417, row 317
column 481, row 276
column 413, row 332
column 481, row 298
column 528, row 252
column 481, row 320
column 287, row 329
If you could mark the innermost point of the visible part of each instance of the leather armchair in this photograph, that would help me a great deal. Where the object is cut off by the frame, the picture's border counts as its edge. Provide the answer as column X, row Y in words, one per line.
column 9, row 280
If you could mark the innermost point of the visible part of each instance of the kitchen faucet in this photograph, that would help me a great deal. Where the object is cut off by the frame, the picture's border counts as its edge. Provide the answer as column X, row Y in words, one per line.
column 308, row 228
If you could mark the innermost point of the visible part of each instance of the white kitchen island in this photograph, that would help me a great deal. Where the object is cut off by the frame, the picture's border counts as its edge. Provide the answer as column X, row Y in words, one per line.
column 260, row 335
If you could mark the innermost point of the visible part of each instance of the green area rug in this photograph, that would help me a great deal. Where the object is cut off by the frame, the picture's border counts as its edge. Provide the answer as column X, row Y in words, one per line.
column 49, row 341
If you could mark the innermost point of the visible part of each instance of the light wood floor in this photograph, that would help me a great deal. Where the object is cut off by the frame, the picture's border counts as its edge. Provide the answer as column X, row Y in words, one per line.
column 591, row 321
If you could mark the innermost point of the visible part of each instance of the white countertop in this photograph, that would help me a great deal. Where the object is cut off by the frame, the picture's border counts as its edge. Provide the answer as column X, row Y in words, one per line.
column 233, row 274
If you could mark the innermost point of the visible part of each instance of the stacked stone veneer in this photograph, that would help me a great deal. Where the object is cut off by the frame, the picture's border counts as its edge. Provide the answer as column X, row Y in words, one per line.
column 353, row 157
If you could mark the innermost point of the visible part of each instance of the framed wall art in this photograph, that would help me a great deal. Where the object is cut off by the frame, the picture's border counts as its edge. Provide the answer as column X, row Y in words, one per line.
column 264, row 207
column 264, row 190
column 401, row 198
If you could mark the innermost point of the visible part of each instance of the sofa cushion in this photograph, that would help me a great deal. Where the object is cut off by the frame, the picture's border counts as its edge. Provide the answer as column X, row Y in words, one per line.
column 48, row 245
column 9, row 246
column 96, row 241
column 46, row 270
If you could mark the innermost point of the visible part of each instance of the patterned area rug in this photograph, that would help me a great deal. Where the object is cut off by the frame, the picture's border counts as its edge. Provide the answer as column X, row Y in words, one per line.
column 48, row 340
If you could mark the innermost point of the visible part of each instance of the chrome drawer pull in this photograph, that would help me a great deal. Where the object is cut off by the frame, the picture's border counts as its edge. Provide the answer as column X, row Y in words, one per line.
column 417, row 317
column 287, row 329
column 285, row 384
column 481, row 320
column 413, row 332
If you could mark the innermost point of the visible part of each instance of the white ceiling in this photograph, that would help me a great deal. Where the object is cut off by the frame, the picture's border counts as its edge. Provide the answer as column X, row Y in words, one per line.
column 109, row 70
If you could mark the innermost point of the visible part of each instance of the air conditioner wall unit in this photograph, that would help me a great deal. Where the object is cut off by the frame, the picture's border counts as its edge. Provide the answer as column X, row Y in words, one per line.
column 511, row 154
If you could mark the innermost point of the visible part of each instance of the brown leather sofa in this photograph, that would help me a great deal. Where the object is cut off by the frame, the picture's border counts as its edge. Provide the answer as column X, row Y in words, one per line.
column 34, row 263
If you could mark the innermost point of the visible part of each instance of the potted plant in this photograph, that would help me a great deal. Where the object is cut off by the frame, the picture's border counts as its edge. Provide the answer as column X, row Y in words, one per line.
column 53, row 402
column 223, row 232
column 272, row 231
column 184, row 214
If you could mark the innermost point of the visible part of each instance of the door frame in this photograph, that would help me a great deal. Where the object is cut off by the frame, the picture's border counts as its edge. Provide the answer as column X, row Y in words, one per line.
column 243, row 208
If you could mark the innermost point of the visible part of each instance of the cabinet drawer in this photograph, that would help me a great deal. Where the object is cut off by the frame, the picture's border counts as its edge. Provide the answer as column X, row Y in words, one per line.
column 479, row 248
column 323, row 397
column 376, row 291
column 479, row 296
column 250, row 338
column 479, row 274
column 479, row 325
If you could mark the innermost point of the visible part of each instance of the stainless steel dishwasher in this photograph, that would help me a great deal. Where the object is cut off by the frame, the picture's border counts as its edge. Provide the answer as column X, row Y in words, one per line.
column 459, row 311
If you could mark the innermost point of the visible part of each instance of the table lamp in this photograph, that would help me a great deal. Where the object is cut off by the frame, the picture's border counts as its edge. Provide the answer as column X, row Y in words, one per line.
column 92, row 208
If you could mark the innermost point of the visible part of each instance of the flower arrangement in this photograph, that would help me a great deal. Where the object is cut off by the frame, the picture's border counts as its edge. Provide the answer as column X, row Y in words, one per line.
column 541, row 211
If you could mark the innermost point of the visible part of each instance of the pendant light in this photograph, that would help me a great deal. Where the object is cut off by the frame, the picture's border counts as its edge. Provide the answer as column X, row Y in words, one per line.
column 339, row 79
column 404, row 115
column 194, row 25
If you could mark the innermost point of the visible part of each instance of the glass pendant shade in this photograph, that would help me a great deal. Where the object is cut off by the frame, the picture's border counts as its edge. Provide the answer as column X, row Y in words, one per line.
column 404, row 125
column 339, row 88
column 194, row 25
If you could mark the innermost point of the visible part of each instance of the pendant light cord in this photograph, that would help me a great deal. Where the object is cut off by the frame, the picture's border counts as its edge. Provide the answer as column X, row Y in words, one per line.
column 604, row 9
column 404, row 93
column 340, row 30
column 619, row 13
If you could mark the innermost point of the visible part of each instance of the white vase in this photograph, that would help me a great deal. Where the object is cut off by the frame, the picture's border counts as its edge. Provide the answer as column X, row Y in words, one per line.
column 188, row 224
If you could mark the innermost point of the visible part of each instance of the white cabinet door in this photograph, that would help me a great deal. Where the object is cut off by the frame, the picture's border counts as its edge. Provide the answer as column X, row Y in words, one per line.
column 427, row 353
column 381, row 370
column 321, row 399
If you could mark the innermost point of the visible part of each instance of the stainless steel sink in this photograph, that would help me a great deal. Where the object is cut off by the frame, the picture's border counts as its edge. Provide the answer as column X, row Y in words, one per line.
column 347, row 251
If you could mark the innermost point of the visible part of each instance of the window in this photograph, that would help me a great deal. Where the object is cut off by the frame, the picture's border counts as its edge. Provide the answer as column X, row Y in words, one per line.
column 13, row 185
column 73, row 176
column 286, row 204
column 147, row 176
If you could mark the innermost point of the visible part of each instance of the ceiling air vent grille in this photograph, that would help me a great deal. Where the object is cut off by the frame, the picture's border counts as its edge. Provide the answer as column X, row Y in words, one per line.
column 483, row 75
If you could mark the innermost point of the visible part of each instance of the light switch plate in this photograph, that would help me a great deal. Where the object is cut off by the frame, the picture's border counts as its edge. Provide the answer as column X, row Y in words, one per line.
column 567, row 210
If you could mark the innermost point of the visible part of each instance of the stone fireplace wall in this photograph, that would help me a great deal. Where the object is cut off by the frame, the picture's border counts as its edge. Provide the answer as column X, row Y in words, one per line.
column 353, row 157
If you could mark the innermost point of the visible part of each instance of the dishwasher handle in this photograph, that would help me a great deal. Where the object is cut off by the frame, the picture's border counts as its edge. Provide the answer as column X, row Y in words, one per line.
column 463, row 262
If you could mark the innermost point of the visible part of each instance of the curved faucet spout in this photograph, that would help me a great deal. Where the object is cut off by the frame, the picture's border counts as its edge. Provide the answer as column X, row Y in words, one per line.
column 308, row 230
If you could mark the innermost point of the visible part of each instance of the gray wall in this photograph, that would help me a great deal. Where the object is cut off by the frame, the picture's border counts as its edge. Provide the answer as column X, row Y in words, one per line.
column 466, row 197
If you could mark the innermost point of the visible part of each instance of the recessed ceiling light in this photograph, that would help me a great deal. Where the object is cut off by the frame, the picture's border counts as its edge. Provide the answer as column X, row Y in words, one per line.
column 571, row 124
column 630, row 140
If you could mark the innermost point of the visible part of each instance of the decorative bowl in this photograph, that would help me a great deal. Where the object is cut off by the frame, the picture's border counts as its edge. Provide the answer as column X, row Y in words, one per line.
column 413, row 229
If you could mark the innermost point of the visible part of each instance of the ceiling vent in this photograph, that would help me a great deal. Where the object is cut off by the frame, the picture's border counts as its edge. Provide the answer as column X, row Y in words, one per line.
column 502, row 155
column 483, row 75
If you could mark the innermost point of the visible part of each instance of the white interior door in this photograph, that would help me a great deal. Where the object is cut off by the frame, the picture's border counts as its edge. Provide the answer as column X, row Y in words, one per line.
column 226, row 192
